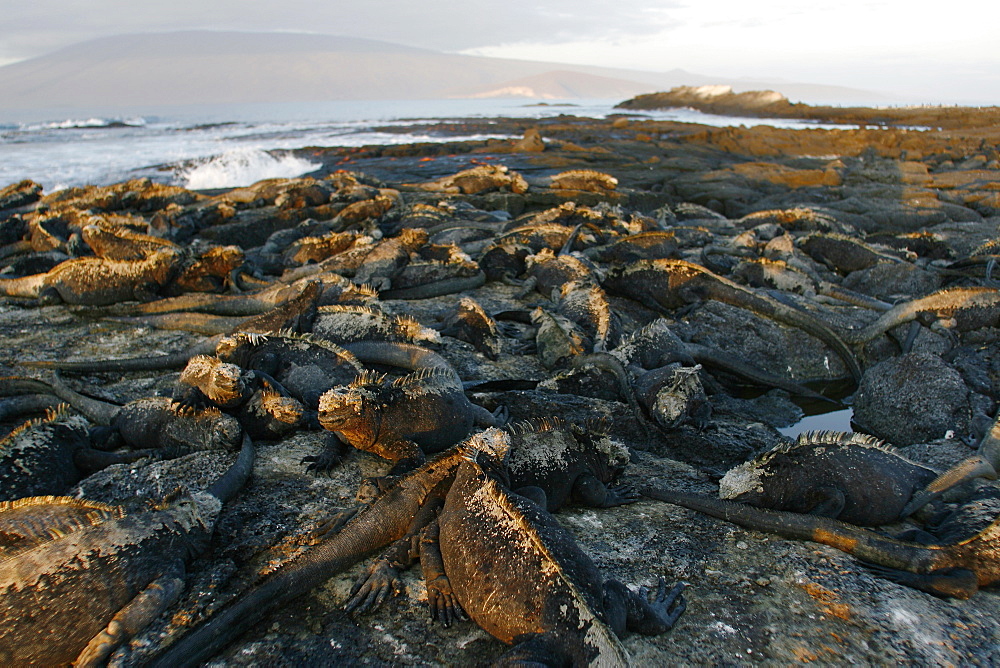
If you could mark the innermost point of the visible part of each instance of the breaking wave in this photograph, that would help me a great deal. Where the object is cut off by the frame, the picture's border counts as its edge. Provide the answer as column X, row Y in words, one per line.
column 82, row 123
column 242, row 167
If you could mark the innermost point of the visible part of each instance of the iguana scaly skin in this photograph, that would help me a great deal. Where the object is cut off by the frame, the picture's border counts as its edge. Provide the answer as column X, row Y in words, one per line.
column 78, row 578
column 260, row 404
column 956, row 569
column 96, row 281
column 36, row 458
column 386, row 519
column 666, row 285
column 569, row 464
column 305, row 366
column 522, row 577
column 855, row 478
column 964, row 309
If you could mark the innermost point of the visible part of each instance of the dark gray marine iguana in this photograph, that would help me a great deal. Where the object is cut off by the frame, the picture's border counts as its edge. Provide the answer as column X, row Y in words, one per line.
column 522, row 577
column 78, row 578
column 951, row 569
column 154, row 426
column 855, row 478
column 49, row 455
column 667, row 284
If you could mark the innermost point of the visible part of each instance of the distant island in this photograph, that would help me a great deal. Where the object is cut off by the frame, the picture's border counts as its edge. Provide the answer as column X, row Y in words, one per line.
column 714, row 99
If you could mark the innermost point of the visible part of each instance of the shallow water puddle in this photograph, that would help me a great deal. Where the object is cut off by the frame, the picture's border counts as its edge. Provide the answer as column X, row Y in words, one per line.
column 839, row 420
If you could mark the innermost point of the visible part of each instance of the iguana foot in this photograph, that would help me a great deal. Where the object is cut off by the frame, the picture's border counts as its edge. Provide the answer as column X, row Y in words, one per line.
column 372, row 589
column 668, row 606
column 501, row 415
column 441, row 602
column 330, row 457
column 621, row 495
column 333, row 524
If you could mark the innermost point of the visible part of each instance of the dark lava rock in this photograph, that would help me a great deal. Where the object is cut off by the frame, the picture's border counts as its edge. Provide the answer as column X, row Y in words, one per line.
column 911, row 399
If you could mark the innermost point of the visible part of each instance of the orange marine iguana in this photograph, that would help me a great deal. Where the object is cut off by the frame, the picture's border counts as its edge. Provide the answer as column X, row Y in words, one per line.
column 522, row 577
column 396, row 516
column 668, row 284
column 963, row 309
column 81, row 577
column 400, row 420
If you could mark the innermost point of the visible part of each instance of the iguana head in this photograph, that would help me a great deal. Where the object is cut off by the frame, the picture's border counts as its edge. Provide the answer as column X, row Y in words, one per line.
column 219, row 381
column 350, row 413
column 287, row 410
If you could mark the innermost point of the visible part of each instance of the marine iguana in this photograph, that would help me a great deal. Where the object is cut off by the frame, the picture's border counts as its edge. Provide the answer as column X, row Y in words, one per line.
column 956, row 569
column 470, row 323
column 586, row 304
column 843, row 254
column 855, row 478
column 567, row 464
column 346, row 323
column 665, row 285
column 522, row 577
column 49, row 455
column 305, row 366
column 81, row 577
column 394, row 515
column 97, row 281
column 652, row 245
column 260, row 404
column 294, row 315
column 400, row 420
column 478, row 179
column 155, row 426
column 963, row 309
column 588, row 180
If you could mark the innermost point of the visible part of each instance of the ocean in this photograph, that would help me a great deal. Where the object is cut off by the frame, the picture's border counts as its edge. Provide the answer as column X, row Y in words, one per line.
column 203, row 147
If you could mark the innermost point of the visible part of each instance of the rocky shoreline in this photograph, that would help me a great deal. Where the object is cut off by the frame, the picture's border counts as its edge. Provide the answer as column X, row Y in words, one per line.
column 920, row 206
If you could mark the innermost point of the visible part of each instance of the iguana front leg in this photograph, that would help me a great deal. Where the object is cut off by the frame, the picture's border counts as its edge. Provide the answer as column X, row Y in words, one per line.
column 132, row 618
column 634, row 610
column 589, row 491
column 441, row 601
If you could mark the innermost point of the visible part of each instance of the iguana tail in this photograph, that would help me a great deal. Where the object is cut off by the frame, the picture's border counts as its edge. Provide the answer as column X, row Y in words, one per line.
column 403, row 355
column 862, row 543
column 775, row 310
column 169, row 361
column 232, row 481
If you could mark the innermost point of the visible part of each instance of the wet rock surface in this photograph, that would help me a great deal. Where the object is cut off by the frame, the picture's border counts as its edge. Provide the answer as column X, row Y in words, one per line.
column 753, row 598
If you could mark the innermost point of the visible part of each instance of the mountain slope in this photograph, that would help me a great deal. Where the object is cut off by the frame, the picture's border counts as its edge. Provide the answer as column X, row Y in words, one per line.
column 230, row 67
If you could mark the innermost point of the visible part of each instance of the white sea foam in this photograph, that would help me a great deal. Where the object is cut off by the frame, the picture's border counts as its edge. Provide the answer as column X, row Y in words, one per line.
column 242, row 167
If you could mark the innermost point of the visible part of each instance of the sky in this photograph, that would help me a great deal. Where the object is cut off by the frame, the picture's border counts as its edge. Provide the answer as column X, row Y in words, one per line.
column 915, row 50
